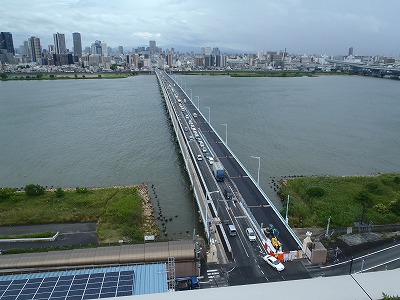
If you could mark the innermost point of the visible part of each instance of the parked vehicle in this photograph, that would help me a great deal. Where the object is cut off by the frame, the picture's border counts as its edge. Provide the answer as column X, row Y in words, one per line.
column 199, row 157
column 186, row 283
column 194, row 115
column 218, row 170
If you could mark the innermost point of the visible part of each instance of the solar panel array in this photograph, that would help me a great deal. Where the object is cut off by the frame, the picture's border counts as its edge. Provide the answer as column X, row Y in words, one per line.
column 70, row 287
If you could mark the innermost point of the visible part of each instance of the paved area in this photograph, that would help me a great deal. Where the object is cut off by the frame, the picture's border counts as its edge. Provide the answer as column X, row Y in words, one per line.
column 71, row 234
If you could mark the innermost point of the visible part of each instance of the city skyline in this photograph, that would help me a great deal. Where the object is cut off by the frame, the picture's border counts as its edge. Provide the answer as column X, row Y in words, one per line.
column 302, row 27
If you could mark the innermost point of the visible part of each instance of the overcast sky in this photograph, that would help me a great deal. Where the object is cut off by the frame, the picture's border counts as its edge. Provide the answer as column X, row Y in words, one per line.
column 301, row 26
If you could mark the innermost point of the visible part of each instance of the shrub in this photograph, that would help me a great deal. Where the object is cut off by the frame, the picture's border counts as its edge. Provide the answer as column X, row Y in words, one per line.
column 381, row 208
column 394, row 206
column 396, row 180
column 6, row 193
column 59, row 192
column 315, row 192
column 81, row 190
column 34, row 190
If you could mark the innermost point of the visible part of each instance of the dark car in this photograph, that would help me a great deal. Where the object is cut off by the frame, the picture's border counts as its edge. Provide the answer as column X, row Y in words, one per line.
column 228, row 194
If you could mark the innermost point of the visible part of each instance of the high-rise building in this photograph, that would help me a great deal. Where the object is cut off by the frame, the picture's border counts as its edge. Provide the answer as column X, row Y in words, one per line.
column 6, row 42
column 34, row 49
column 152, row 47
column 350, row 51
column 216, row 51
column 77, row 41
column 120, row 49
column 59, row 43
column 104, row 49
column 96, row 48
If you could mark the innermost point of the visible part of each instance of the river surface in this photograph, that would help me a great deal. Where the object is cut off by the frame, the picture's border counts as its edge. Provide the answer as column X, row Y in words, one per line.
column 95, row 133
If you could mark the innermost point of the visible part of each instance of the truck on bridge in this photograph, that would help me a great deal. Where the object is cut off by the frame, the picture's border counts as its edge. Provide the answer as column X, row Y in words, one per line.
column 218, row 170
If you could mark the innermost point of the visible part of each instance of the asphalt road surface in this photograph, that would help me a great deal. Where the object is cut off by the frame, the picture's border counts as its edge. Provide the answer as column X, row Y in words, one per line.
column 70, row 234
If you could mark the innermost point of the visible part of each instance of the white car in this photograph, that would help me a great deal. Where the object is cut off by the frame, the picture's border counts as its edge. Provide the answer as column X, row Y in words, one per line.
column 199, row 157
column 273, row 262
column 250, row 234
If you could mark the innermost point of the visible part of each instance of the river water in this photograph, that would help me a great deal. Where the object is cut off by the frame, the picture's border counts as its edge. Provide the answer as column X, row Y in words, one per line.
column 116, row 132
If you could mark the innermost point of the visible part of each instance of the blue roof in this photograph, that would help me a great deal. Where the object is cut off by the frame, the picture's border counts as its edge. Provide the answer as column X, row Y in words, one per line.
column 87, row 283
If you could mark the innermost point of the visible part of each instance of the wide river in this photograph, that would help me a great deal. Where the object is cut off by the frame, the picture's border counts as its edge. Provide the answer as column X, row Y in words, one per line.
column 94, row 133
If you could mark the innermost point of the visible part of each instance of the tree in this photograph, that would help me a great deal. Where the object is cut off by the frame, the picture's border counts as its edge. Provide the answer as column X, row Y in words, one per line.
column 81, row 190
column 364, row 198
column 59, row 192
column 34, row 190
column 6, row 193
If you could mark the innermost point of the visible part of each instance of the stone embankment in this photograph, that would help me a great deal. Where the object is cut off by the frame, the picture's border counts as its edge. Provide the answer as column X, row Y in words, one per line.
column 149, row 224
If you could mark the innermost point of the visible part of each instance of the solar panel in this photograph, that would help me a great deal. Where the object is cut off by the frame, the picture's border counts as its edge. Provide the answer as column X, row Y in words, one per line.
column 92, row 285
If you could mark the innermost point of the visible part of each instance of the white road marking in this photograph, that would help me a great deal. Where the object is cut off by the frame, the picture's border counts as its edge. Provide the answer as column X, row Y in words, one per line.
column 380, row 265
column 357, row 258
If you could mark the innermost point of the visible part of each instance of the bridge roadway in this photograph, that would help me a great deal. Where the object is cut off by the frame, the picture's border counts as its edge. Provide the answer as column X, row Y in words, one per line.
column 249, row 207
column 367, row 69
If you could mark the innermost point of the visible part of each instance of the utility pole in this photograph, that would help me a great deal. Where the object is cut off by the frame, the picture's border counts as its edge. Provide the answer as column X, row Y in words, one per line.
column 327, row 227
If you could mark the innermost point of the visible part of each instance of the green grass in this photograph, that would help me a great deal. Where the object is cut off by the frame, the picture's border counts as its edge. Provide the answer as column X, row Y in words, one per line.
column 340, row 200
column 117, row 211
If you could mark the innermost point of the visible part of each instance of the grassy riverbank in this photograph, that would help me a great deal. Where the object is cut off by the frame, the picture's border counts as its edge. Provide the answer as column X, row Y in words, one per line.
column 373, row 199
column 121, row 213
column 61, row 76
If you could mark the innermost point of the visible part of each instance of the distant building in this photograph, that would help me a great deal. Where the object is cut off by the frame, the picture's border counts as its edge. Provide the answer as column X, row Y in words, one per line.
column 152, row 47
column 6, row 42
column 63, row 59
column 96, row 48
column 120, row 49
column 103, row 49
column 35, row 49
column 77, row 41
column 7, row 50
column 59, row 43
column 216, row 51
column 350, row 51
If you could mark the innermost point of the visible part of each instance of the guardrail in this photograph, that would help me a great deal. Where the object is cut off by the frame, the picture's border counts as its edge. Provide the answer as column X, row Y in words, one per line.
column 49, row 239
column 197, row 180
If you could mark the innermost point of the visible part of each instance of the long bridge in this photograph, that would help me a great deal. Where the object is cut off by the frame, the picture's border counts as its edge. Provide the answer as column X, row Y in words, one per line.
column 363, row 69
column 236, row 200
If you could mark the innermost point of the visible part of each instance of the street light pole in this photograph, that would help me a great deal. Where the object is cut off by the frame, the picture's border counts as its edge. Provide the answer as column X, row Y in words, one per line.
column 190, row 94
column 198, row 102
column 287, row 210
column 185, row 86
column 226, row 133
column 258, row 173
column 209, row 114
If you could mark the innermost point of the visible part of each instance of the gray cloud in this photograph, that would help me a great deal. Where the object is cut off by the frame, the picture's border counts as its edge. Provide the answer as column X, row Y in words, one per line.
column 312, row 26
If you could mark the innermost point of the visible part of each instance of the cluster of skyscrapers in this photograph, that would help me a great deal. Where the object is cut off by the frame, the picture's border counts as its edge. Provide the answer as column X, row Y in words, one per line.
column 32, row 50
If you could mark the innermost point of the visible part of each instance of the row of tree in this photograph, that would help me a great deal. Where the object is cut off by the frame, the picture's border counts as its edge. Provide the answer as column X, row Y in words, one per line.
column 34, row 190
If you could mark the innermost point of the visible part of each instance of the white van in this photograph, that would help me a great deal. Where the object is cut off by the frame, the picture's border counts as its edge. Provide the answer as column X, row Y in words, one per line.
column 232, row 230
column 194, row 115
